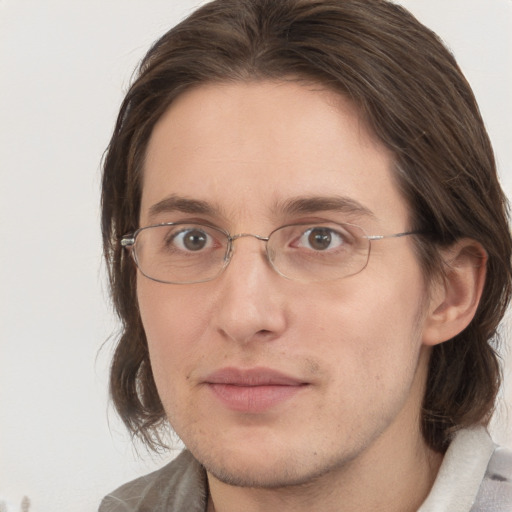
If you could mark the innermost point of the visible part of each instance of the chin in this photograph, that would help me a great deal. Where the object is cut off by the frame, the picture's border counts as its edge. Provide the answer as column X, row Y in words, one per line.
column 258, row 469
column 271, row 476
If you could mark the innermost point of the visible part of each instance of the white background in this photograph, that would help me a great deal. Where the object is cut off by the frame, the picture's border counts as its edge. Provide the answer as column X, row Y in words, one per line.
column 63, row 69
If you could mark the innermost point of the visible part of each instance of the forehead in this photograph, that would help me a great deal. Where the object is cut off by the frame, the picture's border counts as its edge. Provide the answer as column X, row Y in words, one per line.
column 246, row 148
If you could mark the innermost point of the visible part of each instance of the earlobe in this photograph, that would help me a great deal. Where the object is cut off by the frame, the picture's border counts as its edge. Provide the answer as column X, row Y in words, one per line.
column 456, row 294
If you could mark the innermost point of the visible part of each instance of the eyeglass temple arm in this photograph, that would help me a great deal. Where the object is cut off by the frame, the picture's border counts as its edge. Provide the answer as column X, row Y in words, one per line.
column 127, row 241
column 394, row 235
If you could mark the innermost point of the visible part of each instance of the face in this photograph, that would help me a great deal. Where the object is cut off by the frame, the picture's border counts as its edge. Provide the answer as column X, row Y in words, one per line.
column 270, row 381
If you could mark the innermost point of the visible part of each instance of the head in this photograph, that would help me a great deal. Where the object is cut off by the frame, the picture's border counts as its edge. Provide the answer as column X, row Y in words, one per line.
column 406, row 91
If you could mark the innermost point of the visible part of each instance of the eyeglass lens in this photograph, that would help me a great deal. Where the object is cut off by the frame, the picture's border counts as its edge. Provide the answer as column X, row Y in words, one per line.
column 191, row 253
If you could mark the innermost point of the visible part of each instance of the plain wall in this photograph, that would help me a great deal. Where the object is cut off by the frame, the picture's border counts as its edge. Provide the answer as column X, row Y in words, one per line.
column 63, row 69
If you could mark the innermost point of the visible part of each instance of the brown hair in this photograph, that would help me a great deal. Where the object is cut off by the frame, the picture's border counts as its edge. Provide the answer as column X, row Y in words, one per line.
column 412, row 94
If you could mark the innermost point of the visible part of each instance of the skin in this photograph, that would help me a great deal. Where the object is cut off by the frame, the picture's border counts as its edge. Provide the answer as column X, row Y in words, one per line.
column 349, row 438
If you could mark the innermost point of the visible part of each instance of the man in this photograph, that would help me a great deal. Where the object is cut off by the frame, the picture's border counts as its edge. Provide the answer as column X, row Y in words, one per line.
column 309, row 250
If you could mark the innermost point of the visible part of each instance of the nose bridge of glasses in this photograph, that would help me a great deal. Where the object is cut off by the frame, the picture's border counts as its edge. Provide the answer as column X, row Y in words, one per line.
column 246, row 235
column 233, row 238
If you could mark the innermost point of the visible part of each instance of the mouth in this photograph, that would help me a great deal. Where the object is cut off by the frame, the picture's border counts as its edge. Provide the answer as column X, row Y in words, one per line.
column 254, row 390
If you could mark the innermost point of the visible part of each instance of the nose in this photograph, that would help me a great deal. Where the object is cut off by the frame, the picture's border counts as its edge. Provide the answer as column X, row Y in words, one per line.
column 251, row 302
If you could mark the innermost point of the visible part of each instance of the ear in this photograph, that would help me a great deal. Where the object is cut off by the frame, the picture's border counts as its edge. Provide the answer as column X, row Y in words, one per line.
column 455, row 296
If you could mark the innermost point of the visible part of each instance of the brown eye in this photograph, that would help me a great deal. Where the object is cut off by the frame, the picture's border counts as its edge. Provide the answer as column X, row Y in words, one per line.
column 192, row 239
column 319, row 239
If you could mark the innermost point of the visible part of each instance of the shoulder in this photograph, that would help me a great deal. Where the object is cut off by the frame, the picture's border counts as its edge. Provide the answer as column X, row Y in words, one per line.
column 495, row 492
column 474, row 476
column 180, row 485
column 500, row 466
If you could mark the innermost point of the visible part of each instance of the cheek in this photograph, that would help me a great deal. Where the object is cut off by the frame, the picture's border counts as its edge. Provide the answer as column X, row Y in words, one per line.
column 369, row 326
column 174, row 319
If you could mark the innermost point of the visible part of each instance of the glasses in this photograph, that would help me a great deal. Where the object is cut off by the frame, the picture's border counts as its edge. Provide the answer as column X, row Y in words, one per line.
column 186, row 253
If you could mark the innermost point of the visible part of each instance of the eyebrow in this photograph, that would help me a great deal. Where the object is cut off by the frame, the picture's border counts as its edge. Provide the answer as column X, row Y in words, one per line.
column 176, row 203
column 290, row 207
column 308, row 205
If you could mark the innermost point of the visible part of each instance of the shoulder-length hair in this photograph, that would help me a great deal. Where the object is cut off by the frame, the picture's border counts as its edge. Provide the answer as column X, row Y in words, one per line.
column 412, row 94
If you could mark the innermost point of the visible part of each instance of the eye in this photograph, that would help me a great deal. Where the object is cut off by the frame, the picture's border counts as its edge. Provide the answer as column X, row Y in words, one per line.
column 320, row 238
column 191, row 239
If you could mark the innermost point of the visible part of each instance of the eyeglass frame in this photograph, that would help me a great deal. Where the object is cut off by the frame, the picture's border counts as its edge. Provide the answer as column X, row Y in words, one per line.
column 128, row 241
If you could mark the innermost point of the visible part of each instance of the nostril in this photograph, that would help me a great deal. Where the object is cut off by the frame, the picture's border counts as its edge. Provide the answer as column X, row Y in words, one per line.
column 264, row 332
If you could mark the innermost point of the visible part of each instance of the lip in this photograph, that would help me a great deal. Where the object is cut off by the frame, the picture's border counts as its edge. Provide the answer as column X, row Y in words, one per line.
column 253, row 390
